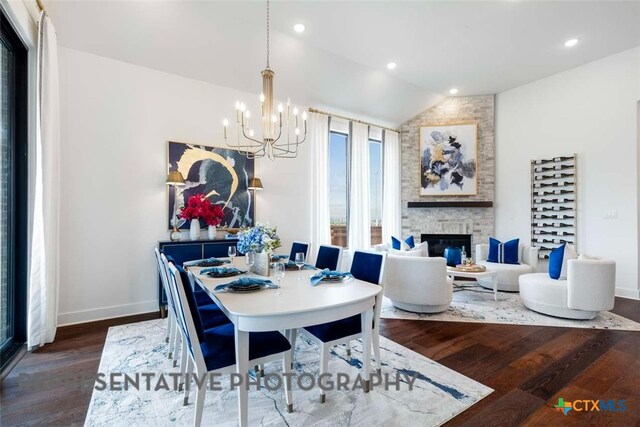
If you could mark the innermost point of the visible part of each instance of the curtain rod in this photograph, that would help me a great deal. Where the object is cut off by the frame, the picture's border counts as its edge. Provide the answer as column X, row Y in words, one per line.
column 314, row 110
column 41, row 7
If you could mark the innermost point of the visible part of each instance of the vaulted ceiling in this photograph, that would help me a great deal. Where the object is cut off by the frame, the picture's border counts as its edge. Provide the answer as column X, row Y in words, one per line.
column 340, row 60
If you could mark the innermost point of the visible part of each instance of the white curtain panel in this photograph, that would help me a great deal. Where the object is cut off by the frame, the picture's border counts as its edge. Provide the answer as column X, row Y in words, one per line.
column 391, row 197
column 359, row 202
column 319, row 141
column 43, row 272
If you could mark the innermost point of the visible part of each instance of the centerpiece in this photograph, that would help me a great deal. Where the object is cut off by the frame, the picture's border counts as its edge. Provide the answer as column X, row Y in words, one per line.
column 200, row 208
column 262, row 240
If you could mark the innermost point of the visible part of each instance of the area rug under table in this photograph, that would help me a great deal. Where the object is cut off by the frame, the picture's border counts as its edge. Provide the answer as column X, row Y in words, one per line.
column 476, row 304
column 438, row 394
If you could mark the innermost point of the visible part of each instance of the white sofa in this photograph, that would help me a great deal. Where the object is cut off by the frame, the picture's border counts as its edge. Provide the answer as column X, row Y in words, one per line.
column 417, row 284
column 508, row 274
column 588, row 289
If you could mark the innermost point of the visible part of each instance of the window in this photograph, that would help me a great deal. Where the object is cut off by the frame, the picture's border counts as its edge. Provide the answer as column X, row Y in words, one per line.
column 375, row 191
column 338, row 186
column 13, row 192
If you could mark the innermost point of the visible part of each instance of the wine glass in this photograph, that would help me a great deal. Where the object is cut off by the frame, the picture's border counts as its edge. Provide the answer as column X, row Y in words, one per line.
column 232, row 252
column 278, row 272
column 250, row 259
column 299, row 260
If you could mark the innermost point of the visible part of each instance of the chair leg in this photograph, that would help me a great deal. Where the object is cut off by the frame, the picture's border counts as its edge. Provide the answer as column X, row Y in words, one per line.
column 169, row 326
column 375, row 339
column 172, row 339
column 200, row 392
column 292, row 341
column 286, row 363
column 176, row 349
column 183, row 363
column 187, row 384
column 324, row 367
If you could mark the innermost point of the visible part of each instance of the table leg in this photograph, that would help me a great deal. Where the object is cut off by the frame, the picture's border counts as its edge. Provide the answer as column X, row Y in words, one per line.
column 242, row 366
column 366, row 319
column 495, row 287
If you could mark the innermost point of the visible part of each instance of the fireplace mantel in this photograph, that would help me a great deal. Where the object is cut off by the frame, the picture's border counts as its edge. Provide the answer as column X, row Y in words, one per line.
column 452, row 204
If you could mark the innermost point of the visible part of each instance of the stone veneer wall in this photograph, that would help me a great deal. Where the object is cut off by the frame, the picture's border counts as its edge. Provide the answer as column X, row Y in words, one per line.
column 478, row 222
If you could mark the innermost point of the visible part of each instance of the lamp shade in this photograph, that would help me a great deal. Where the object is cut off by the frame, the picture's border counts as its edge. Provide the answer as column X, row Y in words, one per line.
column 255, row 184
column 175, row 178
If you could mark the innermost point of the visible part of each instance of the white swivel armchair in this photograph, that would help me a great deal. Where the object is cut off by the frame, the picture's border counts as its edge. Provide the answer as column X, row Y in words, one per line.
column 508, row 274
column 589, row 288
column 417, row 284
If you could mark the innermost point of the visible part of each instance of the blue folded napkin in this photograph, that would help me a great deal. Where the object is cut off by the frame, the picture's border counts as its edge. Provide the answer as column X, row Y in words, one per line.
column 317, row 278
column 246, row 281
column 279, row 257
column 220, row 270
column 198, row 262
column 304, row 267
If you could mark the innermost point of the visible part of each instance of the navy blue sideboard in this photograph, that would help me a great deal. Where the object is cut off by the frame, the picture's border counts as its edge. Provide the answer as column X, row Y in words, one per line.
column 189, row 250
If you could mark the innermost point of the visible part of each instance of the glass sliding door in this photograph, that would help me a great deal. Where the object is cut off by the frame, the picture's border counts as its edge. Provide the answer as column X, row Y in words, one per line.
column 13, row 192
column 5, row 307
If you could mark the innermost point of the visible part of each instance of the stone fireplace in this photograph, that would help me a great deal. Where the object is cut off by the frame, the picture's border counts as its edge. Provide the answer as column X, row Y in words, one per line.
column 476, row 221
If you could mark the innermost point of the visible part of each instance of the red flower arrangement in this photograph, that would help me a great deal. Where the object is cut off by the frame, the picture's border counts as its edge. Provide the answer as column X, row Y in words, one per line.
column 199, row 207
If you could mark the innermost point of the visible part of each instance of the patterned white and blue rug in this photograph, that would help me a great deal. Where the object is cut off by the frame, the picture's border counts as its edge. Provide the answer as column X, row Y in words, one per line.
column 476, row 304
column 439, row 393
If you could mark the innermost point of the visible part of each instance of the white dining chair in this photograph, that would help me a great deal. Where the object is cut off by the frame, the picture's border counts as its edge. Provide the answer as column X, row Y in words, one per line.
column 213, row 350
column 366, row 266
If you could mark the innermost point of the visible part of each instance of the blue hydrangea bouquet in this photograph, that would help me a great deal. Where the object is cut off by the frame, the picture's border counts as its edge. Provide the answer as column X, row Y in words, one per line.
column 260, row 238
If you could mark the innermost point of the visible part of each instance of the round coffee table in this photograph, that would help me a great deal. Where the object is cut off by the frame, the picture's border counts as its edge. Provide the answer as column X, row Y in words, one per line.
column 453, row 273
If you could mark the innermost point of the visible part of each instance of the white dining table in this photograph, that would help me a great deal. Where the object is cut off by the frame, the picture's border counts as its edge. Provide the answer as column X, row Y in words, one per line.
column 298, row 304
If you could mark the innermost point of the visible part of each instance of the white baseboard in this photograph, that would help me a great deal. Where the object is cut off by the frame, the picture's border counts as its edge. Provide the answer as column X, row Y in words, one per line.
column 102, row 313
column 628, row 293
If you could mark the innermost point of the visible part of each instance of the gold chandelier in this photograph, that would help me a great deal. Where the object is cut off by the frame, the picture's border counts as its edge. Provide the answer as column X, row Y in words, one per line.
column 271, row 145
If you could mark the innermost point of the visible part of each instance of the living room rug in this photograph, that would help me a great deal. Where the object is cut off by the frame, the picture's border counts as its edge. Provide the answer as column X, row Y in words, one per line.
column 438, row 394
column 476, row 304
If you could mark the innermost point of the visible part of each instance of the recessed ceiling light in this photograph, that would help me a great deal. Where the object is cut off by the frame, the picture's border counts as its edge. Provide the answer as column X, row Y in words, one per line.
column 392, row 65
column 571, row 43
column 453, row 91
column 299, row 28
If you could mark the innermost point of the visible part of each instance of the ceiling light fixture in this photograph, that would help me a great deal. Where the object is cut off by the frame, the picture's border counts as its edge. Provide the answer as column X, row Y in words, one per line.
column 453, row 91
column 299, row 28
column 571, row 43
column 392, row 65
column 270, row 121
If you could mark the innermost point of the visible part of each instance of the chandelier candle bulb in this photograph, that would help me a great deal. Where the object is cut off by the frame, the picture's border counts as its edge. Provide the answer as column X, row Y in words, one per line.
column 280, row 108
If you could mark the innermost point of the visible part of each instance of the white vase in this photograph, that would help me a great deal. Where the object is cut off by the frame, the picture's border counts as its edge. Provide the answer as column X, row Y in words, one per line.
column 211, row 232
column 194, row 229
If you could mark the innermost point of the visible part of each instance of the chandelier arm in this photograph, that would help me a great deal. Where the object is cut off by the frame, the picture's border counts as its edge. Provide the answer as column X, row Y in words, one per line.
column 259, row 143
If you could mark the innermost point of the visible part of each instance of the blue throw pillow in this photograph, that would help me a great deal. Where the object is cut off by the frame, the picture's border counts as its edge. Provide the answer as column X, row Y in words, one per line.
column 558, row 261
column 555, row 261
column 503, row 253
column 397, row 244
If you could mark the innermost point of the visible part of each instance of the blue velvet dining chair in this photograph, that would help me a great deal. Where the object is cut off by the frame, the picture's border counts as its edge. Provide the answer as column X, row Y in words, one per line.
column 328, row 257
column 171, row 314
column 368, row 267
column 213, row 350
column 298, row 247
column 206, row 315
column 202, row 297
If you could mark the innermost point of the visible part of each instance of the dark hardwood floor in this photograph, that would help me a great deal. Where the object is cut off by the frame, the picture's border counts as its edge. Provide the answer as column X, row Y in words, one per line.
column 529, row 367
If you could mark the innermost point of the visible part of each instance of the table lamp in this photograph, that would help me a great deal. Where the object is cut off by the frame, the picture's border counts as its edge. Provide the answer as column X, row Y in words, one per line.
column 175, row 179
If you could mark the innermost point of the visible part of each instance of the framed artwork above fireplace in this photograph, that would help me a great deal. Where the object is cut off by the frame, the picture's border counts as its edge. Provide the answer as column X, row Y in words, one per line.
column 449, row 160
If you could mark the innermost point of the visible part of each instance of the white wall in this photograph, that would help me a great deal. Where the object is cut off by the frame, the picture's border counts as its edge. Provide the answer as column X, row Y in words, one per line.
column 591, row 111
column 116, row 119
